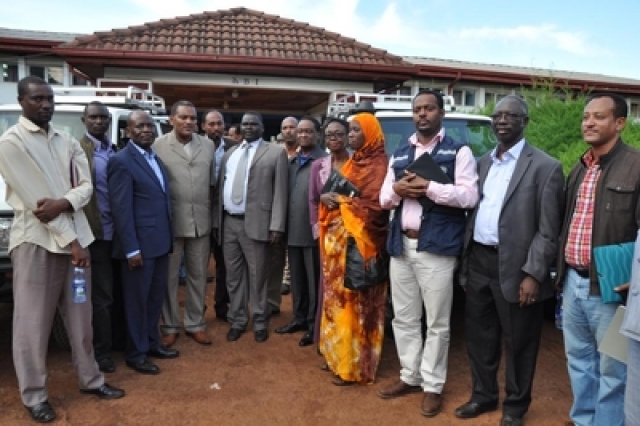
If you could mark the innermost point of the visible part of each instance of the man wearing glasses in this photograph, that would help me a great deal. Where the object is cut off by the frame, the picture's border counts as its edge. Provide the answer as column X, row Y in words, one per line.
column 510, row 244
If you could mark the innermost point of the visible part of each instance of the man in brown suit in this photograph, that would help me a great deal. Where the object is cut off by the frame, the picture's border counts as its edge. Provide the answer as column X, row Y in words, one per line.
column 190, row 163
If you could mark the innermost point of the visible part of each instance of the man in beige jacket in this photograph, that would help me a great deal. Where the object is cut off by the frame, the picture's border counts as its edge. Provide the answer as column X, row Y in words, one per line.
column 190, row 162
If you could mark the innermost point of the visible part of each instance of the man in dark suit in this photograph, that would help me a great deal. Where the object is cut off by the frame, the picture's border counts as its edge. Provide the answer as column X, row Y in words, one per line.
column 302, row 248
column 250, row 215
column 511, row 243
column 213, row 126
column 141, row 209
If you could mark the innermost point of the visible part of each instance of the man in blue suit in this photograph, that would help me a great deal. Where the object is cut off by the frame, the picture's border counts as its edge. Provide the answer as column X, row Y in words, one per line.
column 140, row 204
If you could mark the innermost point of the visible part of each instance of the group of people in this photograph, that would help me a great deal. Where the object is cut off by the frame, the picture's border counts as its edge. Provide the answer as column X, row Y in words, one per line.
column 136, row 214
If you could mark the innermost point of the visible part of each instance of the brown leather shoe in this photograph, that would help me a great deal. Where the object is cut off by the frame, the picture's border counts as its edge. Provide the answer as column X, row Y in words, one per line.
column 431, row 404
column 397, row 389
column 169, row 340
column 200, row 337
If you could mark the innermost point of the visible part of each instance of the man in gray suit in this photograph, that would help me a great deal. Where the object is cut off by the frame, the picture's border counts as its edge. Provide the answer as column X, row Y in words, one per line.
column 250, row 215
column 510, row 245
column 190, row 162
column 304, row 255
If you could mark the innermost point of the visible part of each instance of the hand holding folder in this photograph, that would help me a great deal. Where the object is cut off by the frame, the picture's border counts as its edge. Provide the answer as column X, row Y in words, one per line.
column 613, row 264
column 339, row 184
column 427, row 168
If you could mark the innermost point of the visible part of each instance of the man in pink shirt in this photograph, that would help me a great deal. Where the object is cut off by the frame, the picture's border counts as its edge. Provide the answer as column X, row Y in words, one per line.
column 425, row 239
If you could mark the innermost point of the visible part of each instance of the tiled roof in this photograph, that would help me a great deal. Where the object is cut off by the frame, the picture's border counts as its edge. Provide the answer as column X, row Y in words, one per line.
column 238, row 32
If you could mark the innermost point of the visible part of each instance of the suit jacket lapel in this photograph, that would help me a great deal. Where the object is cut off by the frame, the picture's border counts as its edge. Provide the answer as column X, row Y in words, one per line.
column 483, row 170
column 196, row 147
column 142, row 162
column 178, row 148
column 521, row 167
column 262, row 148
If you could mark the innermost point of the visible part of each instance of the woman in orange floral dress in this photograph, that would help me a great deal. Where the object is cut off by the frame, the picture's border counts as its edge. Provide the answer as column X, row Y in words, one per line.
column 352, row 322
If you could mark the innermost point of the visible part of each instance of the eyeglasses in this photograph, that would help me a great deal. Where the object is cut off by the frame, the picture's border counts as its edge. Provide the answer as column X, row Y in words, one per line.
column 336, row 135
column 508, row 116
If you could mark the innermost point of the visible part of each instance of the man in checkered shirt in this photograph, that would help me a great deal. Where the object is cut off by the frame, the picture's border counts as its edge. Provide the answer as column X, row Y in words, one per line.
column 602, row 208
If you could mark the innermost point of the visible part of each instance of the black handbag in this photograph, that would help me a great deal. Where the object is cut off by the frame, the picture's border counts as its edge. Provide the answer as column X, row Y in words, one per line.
column 359, row 276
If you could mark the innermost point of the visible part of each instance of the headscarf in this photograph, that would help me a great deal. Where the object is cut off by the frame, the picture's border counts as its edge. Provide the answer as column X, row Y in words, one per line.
column 363, row 217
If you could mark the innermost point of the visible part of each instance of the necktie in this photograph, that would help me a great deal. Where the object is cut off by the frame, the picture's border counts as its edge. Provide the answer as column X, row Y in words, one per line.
column 237, row 190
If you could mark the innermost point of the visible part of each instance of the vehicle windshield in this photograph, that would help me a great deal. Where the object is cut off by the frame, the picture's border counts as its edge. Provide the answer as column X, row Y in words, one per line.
column 476, row 133
column 65, row 121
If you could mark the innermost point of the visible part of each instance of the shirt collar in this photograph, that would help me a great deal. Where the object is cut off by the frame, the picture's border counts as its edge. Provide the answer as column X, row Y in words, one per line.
column 98, row 142
column 513, row 152
column 34, row 128
column 413, row 139
column 253, row 144
column 150, row 154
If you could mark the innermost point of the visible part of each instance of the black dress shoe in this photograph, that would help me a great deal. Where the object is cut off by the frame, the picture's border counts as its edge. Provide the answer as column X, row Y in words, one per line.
column 292, row 327
column 261, row 335
column 285, row 289
column 163, row 352
column 274, row 312
column 42, row 413
column 105, row 391
column 472, row 409
column 106, row 365
column 508, row 420
column 144, row 367
column 234, row 334
column 307, row 339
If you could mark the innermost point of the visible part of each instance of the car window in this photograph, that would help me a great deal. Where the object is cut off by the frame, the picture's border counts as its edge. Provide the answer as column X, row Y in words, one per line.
column 476, row 133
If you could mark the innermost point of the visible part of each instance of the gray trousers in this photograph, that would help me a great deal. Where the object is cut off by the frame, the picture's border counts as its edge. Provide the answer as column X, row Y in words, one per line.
column 277, row 260
column 246, row 263
column 196, row 259
column 42, row 282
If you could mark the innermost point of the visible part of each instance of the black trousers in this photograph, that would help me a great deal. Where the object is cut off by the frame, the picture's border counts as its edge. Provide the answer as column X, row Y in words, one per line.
column 488, row 317
column 304, row 264
column 102, row 280
column 221, row 295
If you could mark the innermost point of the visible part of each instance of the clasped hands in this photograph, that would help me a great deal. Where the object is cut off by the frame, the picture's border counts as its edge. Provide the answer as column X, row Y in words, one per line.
column 411, row 186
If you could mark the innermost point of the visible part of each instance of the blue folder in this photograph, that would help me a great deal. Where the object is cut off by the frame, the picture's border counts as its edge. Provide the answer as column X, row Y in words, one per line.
column 613, row 264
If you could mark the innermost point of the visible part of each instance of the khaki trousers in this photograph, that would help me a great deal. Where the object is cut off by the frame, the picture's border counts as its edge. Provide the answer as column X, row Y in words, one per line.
column 42, row 282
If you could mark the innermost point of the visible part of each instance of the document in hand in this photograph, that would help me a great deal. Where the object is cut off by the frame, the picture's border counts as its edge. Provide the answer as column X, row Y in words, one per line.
column 427, row 168
column 340, row 184
column 613, row 263
column 614, row 343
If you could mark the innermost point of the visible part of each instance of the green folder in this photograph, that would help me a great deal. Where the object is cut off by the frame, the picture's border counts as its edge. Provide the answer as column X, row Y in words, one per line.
column 613, row 264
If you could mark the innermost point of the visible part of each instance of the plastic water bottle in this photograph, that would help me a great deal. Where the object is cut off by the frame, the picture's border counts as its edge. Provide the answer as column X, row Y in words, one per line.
column 559, row 310
column 79, row 285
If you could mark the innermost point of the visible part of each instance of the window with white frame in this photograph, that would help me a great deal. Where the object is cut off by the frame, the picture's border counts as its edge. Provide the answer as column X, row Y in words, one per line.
column 50, row 74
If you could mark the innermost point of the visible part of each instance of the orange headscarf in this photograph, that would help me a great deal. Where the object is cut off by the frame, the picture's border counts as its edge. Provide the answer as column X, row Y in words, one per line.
column 363, row 217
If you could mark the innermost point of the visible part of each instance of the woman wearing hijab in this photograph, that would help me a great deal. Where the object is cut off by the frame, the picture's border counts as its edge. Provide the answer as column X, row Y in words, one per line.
column 352, row 322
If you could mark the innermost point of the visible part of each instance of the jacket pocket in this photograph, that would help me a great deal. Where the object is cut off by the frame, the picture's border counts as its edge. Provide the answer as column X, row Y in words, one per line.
column 619, row 196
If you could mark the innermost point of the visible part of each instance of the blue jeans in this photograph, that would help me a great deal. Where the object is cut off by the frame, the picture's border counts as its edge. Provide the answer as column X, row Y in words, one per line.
column 597, row 381
column 631, row 406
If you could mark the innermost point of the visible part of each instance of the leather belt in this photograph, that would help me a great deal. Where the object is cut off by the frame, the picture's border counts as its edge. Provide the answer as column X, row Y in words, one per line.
column 583, row 272
column 489, row 247
column 411, row 234
column 235, row 215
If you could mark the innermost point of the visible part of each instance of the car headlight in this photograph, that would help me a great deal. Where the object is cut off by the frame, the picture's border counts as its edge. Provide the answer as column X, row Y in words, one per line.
column 5, row 229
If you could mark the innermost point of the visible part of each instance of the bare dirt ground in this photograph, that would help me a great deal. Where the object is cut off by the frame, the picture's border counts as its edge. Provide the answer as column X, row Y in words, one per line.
column 273, row 383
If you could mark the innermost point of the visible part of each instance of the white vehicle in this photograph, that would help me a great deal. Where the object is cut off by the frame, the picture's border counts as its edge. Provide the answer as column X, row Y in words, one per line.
column 69, row 107
column 396, row 117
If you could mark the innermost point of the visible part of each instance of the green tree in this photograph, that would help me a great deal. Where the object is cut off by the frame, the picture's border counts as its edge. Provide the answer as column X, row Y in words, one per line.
column 554, row 122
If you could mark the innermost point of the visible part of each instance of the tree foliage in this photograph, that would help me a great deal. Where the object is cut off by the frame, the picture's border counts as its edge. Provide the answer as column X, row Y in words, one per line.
column 554, row 122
